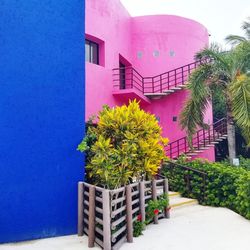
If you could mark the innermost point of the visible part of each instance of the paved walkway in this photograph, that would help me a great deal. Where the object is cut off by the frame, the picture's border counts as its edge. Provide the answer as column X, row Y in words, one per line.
column 190, row 228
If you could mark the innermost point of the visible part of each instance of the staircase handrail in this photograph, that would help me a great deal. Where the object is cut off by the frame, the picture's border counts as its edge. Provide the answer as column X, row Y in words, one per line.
column 150, row 80
column 199, row 139
column 188, row 177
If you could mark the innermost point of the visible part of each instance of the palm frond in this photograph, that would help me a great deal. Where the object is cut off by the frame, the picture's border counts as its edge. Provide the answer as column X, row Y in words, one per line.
column 194, row 110
column 209, row 52
column 246, row 24
column 246, row 135
column 234, row 39
column 241, row 57
column 220, row 58
column 246, row 27
column 240, row 94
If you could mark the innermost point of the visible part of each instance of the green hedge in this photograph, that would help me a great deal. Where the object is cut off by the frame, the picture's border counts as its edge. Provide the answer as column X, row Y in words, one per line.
column 225, row 186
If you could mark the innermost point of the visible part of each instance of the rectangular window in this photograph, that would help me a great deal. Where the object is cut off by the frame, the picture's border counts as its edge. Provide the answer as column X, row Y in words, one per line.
column 91, row 52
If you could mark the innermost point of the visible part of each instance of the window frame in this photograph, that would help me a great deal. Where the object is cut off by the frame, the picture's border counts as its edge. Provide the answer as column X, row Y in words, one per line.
column 91, row 46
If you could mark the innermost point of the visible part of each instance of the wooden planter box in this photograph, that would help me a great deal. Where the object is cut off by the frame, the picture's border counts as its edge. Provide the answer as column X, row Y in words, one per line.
column 107, row 216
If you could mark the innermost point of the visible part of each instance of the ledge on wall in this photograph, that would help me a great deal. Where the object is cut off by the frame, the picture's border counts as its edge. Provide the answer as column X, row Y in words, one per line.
column 130, row 94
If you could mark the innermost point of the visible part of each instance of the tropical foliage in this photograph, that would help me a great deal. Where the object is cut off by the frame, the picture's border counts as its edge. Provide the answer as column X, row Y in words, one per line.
column 235, row 39
column 228, row 72
column 225, row 185
column 154, row 207
column 125, row 145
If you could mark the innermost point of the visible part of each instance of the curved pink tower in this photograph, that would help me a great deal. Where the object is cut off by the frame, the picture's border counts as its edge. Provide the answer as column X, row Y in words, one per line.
column 148, row 58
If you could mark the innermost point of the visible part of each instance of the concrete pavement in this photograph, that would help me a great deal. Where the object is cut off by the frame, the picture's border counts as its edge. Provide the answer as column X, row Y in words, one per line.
column 190, row 228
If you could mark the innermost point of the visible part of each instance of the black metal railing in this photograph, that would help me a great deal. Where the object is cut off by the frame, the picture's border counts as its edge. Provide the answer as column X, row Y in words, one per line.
column 129, row 78
column 188, row 181
column 201, row 140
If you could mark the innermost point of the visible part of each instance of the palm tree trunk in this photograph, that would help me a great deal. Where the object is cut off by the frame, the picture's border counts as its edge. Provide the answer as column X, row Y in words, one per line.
column 231, row 137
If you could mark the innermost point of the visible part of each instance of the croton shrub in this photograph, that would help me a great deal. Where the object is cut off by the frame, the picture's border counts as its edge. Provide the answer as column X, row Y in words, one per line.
column 125, row 145
column 226, row 186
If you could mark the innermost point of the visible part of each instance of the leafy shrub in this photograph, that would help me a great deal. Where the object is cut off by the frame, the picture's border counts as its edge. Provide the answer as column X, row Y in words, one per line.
column 125, row 145
column 138, row 227
column 225, row 185
column 155, row 207
column 244, row 162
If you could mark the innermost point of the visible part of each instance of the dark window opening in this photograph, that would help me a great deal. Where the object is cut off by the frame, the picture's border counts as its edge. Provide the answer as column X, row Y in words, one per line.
column 122, row 76
column 91, row 52
column 174, row 118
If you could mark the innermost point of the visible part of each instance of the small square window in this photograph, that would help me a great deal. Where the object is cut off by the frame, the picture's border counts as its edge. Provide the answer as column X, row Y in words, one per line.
column 91, row 52
column 156, row 53
column 171, row 53
column 139, row 54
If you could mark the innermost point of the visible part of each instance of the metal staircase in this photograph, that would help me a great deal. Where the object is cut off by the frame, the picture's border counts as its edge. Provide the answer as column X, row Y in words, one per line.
column 157, row 86
column 202, row 140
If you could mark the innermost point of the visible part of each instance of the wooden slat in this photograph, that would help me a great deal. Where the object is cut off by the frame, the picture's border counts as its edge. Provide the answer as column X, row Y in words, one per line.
column 80, row 209
column 154, row 197
column 118, row 232
column 99, row 242
column 86, row 231
column 117, row 222
column 134, row 184
column 91, row 222
column 121, row 209
column 165, row 190
column 96, row 187
column 142, row 200
column 135, row 210
column 106, row 220
column 135, row 201
column 129, row 217
column 148, row 197
column 86, row 202
column 97, row 229
column 159, row 181
column 114, row 202
column 99, row 210
column 98, row 199
column 135, row 193
column 118, row 190
column 86, row 193
column 98, row 220
column 86, row 211
column 119, row 243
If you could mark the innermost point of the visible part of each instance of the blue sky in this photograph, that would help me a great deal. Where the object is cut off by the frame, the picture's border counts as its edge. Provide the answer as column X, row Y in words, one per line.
column 221, row 17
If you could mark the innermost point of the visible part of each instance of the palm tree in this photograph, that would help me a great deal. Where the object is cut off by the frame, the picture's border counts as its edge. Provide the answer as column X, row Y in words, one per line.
column 228, row 71
column 235, row 39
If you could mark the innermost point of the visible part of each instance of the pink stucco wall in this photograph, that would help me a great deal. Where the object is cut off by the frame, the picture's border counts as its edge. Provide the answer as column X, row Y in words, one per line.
column 152, row 45
column 110, row 22
column 165, row 42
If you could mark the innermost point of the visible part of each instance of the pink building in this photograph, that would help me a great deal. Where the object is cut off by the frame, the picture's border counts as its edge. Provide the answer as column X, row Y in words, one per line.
column 147, row 58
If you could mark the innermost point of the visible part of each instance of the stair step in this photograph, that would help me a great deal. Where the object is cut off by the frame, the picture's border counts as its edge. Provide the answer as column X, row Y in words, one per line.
column 191, row 154
column 181, row 202
column 182, row 86
column 173, row 194
column 176, row 88
column 218, row 140
column 155, row 94
column 168, row 91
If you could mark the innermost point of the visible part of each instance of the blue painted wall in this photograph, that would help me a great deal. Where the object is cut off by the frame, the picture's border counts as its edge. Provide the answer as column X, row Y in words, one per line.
column 41, row 116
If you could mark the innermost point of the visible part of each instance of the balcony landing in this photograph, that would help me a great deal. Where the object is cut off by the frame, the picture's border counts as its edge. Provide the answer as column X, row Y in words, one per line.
column 131, row 94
